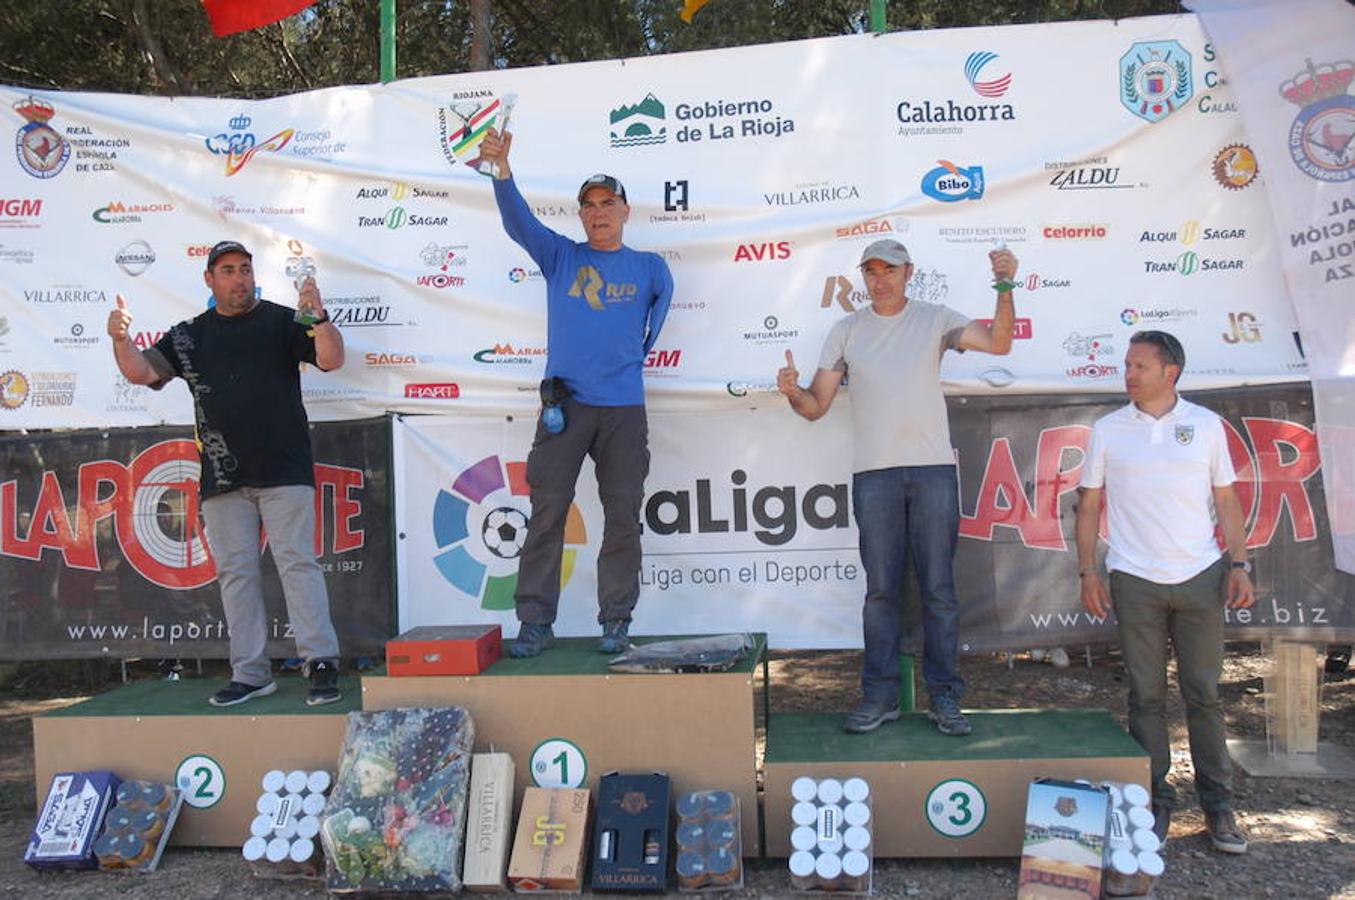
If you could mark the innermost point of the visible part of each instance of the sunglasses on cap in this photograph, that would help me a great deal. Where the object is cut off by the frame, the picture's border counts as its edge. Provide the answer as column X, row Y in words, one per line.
column 1176, row 354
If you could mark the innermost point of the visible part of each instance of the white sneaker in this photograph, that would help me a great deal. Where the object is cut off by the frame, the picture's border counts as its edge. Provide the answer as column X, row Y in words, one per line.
column 1058, row 658
column 1037, row 655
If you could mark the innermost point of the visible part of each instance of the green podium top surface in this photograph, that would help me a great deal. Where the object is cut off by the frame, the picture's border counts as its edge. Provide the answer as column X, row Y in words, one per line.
column 998, row 734
column 188, row 697
column 580, row 656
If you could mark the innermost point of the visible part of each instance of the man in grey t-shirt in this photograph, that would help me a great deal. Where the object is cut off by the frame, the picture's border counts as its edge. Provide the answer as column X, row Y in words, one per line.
column 905, row 494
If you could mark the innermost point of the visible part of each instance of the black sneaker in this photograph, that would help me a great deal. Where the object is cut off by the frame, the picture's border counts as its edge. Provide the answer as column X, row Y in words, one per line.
column 324, row 679
column 945, row 713
column 1162, row 821
column 615, row 636
column 869, row 716
column 239, row 692
column 531, row 640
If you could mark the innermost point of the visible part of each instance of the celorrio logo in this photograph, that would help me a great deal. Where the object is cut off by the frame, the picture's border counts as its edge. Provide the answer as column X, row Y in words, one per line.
column 1074, row 232
column 973, row 69
column 480, row 526
column 950, row 183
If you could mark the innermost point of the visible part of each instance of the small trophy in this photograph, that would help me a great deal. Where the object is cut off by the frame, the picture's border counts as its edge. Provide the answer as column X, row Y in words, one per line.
column 476, row 117
column 506, row 110
column 1005, row 284
column 300, row 268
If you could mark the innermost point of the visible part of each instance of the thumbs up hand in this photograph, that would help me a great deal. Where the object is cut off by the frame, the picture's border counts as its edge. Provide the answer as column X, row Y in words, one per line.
column 788, row 377
column 119, row 321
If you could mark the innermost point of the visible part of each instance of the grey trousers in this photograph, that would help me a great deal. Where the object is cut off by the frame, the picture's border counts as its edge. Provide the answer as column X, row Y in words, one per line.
column 617, row 440
column 1191, row 615
column 287, row 513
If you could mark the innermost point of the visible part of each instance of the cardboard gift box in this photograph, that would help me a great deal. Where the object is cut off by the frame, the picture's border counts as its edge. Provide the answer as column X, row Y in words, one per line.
column 630, row 838
column 551, row 844
column 70, row 819
column 1062, row 854
column 444, row 650
column 489, row 822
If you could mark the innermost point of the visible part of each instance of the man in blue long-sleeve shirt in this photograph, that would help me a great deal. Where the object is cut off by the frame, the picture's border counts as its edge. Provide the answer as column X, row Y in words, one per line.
column 605, row 304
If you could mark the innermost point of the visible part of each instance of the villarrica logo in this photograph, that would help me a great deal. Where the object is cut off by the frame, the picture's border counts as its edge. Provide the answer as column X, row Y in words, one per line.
column 480, row 526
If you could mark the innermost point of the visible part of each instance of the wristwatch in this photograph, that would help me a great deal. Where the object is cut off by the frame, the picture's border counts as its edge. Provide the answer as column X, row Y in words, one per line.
column 1243, row 564
column 324, row 317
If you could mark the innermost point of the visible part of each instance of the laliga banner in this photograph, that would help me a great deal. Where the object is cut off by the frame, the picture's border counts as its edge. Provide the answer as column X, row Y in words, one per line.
column 741, row 535
column 103, row 553
column 759, row 173
column 1292, row 67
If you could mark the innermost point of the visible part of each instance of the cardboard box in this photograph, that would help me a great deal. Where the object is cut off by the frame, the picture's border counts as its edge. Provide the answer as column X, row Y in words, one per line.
column 551, row 844
column 489, row 822
column 630, row 837
column 1062, row 856
column 70, row 819
column 444, row 650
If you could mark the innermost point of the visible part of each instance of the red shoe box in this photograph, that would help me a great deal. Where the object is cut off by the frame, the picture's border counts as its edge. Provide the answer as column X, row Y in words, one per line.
column 444, row 650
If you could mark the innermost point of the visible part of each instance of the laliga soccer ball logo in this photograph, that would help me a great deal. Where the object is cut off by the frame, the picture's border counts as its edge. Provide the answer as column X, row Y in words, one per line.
column 480, row 526
column 1320, row 140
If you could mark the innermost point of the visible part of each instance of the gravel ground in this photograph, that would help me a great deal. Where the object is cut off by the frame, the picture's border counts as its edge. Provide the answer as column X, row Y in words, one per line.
column 1302, row 830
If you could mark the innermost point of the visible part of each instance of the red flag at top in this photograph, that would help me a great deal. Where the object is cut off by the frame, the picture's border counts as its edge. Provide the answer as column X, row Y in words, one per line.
column 232, row 16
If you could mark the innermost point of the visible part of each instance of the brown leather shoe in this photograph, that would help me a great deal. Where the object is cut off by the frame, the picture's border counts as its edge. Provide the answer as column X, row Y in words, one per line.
column 1227, row 835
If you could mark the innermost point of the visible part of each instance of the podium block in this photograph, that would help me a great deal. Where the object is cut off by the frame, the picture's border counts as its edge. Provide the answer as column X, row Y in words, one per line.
column 565, row 709
column 166, row 731
column 938, row 796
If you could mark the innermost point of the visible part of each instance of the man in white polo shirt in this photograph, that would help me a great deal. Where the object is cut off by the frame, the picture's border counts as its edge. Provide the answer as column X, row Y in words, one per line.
column 1161, row 465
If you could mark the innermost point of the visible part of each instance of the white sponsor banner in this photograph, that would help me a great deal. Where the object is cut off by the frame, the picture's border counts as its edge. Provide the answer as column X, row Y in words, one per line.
column 759, row 173
column 749, row 538
column 1291, row 66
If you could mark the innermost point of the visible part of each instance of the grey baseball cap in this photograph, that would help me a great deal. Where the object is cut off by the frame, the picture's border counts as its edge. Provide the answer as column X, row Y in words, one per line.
column 603, row 181
column 224, row 247
column 887, row 250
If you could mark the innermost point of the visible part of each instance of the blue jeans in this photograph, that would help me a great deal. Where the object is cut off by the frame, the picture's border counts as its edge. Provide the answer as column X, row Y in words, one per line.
column 908, row 514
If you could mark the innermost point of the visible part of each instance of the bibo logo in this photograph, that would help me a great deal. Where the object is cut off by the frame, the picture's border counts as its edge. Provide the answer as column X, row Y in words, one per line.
column 480, row 525
column 950, row 183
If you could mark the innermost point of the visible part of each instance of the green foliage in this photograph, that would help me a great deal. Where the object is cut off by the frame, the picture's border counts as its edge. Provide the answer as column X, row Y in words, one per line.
column 166, row 46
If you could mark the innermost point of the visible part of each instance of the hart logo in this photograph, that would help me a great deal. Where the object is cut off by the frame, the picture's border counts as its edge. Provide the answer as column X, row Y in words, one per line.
column 1022, row 329
column 442, row 391
column 764, row 252
column 1321, row 135
column 1234, row 167
column 639, row 125
column 1155, row 79
column 950, row 183
column 973, row 69
column 480, row 526
column 1242, row 328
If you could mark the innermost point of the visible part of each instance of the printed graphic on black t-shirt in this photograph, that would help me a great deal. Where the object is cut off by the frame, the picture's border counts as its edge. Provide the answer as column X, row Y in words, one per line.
column 243, row 374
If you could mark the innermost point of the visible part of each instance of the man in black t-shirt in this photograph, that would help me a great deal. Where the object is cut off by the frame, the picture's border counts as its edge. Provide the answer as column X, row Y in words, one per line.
column 241, row 360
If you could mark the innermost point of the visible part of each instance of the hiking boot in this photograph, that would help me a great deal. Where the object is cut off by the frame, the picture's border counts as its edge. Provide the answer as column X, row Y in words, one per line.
column 615, row 636
column 324, row 679
column 870, row 716
column 239, row 692
column 1227, row 835
column 945, row 713
column 531, row 640
column 1162, row 821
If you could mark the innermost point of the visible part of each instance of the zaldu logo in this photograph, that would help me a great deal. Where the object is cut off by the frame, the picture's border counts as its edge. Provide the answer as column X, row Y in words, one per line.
column 164, row 475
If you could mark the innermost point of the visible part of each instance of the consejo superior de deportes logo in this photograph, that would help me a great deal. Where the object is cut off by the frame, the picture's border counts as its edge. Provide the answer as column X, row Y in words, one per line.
column 480, row 525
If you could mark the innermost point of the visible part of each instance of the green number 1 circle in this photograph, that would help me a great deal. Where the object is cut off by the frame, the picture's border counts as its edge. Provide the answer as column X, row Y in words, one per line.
column 558, row 763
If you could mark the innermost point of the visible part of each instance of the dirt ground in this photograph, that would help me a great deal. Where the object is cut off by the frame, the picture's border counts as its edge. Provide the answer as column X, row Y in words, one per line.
column 1302, row 830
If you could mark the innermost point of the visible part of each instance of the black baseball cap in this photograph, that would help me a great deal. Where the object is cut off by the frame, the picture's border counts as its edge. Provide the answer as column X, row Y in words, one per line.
column 224, row 247
column 603, row 181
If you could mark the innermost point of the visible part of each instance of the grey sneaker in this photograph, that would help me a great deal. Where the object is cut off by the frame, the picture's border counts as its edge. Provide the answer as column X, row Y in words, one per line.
column 615, row 636
column 869, row 716
column 945, row 712
column 324, row 678
column 531, row 640
column 1226, row 834
column 239, row 692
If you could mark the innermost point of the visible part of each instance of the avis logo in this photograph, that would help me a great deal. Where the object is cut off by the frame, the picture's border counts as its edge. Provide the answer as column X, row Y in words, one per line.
column 973, row 67
column 480, row 526
column 950, row 183
column 764, row 252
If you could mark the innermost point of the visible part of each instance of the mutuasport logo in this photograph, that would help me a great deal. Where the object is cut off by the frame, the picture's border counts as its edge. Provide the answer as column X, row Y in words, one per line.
column 480, row 526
